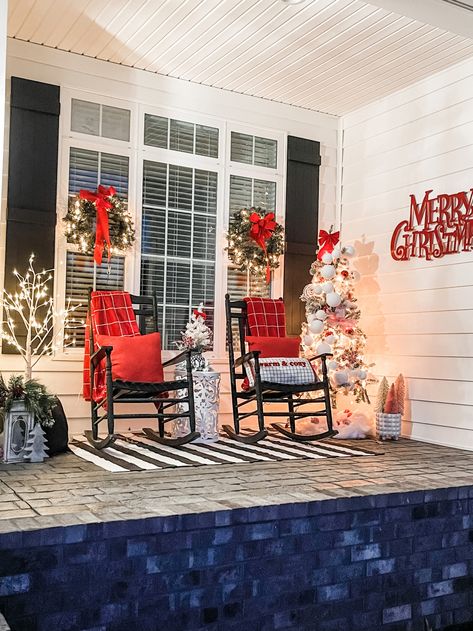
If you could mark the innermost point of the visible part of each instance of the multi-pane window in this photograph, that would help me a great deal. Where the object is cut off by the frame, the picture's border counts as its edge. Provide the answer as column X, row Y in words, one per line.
column 178, row 243
column 95, row 119
column 178, row 135
column 87, row 169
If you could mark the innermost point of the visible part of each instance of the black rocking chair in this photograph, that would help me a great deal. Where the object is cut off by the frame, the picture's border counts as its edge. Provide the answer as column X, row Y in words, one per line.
column 264, row 393
column 118, row 392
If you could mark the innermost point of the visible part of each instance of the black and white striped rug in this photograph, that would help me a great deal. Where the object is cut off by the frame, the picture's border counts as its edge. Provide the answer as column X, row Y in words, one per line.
column 132, row 452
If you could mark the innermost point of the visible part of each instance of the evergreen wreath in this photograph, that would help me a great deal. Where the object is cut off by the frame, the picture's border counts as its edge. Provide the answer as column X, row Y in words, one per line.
column 243, row 248
column 80, row 221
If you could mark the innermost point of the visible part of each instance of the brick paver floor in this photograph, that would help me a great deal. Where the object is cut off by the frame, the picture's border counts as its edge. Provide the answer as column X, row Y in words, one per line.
column 66, row 490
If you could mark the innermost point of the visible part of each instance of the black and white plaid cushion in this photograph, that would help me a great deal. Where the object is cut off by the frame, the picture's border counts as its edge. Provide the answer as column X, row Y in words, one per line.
column 289, row 371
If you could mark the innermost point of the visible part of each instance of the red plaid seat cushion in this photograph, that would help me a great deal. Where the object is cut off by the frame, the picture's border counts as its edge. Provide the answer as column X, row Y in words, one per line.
column 266, row 317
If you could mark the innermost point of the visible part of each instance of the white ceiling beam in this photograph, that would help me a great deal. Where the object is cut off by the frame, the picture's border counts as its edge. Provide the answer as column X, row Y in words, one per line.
column 437, row 13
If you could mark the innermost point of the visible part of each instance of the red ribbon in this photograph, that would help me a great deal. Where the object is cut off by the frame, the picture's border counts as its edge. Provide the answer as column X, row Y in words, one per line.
column 102, row 230
column 261, row 230
column 345, row 324
column 327, row 241
column 200, row 314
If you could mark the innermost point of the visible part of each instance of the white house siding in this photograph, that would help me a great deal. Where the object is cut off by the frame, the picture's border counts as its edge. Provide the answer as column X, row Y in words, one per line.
column 68, row 70
column 418, row 314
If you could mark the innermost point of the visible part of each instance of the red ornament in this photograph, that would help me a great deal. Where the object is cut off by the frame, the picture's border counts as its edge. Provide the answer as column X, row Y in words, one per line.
column 200, row 314
column 344, row 273
column 261, row 230
column 327, row 241
column 102, row 229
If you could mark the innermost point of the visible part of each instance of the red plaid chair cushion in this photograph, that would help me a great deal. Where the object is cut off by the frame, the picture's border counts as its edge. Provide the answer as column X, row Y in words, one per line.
column 266, row 317
column 111, row 313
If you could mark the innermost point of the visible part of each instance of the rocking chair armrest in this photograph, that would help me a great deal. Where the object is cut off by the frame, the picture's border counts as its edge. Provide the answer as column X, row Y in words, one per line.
column 101, row 353
column 180, row 357
column 245, row 358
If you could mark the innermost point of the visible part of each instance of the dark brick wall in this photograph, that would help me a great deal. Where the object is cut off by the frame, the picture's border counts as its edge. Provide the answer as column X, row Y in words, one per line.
column 368, row 563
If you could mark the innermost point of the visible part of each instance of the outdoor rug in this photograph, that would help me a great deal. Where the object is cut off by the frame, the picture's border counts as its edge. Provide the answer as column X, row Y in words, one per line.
column 135, row 452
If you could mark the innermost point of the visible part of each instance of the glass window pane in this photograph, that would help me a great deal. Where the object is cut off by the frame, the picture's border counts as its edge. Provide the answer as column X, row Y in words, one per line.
column 153, row 231
column 266, row 151
column 205, row 192
column 241, row 149
column 156, row 131
column 175, row 322
column 180, row 187
column 83, row 170
column 182, row 136
column 152, row 277
column 115, row 123
column 203, row 241
column 85, row 117
column 179, row 231
column 206, row 141
column 154, row 183
column 114, row 172
column 240, row 193
column 264, row 195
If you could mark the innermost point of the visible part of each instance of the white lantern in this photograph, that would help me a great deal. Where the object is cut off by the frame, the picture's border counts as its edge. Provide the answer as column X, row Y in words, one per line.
column 349, row 251
column 323, row 348
column 327, row 258
column 327, row 272
column 321, row 315
column 333, row 299
column 332, row 365
column 340, row 378
column 327, row 288
column 316, row 326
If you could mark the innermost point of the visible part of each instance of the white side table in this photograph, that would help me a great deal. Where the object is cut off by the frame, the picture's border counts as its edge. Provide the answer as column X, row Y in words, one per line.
column 206, row 398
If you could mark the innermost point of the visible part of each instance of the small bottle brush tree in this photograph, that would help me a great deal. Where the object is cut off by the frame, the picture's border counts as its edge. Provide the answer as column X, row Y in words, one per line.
column 390, row 398
column 332, row 324
column 43, row 324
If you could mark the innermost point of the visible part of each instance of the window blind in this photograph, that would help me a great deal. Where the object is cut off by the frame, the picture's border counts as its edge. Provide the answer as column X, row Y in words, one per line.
column 100, row 120
column 178, row 135
column 253, row 150
column 178, row 243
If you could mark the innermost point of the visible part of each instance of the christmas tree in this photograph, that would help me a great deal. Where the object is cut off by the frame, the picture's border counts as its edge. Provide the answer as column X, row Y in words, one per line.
column 332, row 318
column 35, row 450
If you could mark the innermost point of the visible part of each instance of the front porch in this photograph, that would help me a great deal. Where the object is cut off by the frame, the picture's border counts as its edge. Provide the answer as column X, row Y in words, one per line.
column 347, row 543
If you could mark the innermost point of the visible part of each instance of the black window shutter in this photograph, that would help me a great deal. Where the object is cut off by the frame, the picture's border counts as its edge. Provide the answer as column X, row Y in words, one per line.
column 302, row 208
column 32, row 177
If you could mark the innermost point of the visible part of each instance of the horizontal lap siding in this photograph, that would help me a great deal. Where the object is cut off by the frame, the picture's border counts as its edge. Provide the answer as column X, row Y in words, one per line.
column 418, row 314
column 101, row 78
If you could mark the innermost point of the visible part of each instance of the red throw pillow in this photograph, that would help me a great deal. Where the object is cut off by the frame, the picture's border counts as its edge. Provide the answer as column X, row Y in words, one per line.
column 274, row 346
column 136, row 358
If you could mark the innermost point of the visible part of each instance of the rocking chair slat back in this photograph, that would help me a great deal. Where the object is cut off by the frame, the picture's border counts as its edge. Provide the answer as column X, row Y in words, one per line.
column 237, row 329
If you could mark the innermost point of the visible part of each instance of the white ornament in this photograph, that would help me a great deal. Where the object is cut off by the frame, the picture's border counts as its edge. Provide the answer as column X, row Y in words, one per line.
column 333, row 299
column 336, row 252
column 307, row 340
column 349, row 251
column 332, row 365
column 327, row 288
column 330, row 339
column 327, row 272
column 362, row 374
column 323, row 348
column 321, row 315
column 317, row 289
column 340, row 378
column 327, row 258
column 356, row 276
column 316, row 326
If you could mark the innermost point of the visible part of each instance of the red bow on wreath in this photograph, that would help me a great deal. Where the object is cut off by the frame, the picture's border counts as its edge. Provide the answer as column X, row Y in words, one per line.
column 261, row 230
column 327, row 241
column 102, row 231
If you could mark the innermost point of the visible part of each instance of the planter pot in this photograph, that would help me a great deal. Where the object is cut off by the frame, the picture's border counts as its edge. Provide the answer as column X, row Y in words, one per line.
column 388, row 425
column 18, row 424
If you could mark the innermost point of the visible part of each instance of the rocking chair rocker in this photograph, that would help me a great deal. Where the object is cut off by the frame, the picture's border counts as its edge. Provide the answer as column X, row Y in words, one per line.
column 263, row 393
column 133, row 315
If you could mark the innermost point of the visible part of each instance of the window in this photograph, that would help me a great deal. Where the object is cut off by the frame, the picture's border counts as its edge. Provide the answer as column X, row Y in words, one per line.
column 100, row 120
column 180, row 135
column 86, row 170
column 178, row 243
column 182, row 179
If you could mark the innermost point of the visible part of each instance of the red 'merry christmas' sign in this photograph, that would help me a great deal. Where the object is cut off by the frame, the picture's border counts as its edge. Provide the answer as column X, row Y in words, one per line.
column 438, row 226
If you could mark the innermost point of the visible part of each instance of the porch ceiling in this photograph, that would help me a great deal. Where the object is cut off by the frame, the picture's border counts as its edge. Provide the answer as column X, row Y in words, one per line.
column 327, row 55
